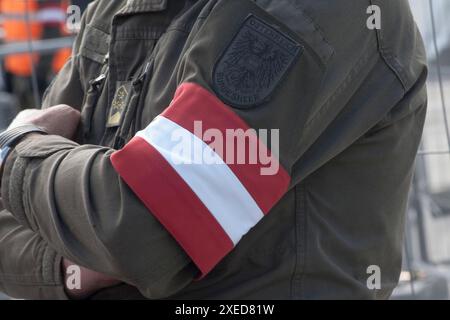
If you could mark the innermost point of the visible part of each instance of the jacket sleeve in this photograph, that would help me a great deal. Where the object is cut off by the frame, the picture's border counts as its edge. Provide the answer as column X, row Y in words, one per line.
column 178, row 197
column 29, row 267
column 79, row 230
column 73, row 197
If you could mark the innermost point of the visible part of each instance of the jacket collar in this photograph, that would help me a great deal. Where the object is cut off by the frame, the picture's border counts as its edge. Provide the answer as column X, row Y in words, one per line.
column 137, row 6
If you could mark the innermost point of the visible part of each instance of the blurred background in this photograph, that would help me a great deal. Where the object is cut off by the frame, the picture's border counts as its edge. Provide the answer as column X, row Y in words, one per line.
column 426, row 267
column 35, row 42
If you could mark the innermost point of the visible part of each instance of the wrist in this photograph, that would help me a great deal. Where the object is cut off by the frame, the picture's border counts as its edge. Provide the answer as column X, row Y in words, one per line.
column 81, row 283
column 73, row 284
column 10, row 138
column 4, row 152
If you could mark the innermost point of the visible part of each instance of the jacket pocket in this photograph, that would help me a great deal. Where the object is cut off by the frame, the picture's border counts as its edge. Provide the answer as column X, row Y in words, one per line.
column 94, row 59
column 96, row 86
column 94, row 44
column 291, row 13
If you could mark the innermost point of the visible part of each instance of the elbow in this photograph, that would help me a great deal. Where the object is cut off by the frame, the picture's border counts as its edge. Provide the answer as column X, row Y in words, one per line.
column 143, row 255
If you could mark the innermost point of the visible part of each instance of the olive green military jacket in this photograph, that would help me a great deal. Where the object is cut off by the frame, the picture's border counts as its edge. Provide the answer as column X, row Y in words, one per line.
column 339, row 94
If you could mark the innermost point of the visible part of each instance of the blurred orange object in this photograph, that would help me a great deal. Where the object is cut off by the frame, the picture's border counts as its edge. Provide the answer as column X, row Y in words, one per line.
column 16, row 29
column 60, row 58
column 41, row 14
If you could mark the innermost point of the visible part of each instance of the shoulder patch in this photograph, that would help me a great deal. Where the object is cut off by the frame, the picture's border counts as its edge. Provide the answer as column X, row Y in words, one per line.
column 254, row 63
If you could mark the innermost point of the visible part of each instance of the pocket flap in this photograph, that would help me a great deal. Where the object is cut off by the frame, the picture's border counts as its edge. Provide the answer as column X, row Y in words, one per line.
column 292, row 15
column 94, row 44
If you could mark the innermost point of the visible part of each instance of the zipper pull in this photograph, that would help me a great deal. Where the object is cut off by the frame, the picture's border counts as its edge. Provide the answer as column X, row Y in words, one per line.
column 143, row 74
column 97, row 81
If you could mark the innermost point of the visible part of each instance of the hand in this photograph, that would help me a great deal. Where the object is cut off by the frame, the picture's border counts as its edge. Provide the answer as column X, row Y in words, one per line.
column 61, row 120
column 89, row 283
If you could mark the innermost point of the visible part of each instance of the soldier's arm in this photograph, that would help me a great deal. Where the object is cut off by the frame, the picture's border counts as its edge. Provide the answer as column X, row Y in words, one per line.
column 138, row 215
column 29, row 267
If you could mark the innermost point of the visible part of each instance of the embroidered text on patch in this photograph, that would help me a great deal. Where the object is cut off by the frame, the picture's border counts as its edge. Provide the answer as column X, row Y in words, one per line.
column 254, row 63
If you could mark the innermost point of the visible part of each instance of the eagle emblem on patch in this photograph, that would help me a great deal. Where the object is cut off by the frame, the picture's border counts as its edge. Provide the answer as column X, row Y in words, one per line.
column 254, row 63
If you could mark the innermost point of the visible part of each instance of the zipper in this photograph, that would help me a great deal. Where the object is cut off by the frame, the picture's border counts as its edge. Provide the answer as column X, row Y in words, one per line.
column 140, row 79
column 95, row 87
column 97, row 82
column 127, row 127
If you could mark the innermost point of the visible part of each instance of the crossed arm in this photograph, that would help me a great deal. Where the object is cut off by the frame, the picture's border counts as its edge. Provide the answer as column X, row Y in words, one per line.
column 63, row 121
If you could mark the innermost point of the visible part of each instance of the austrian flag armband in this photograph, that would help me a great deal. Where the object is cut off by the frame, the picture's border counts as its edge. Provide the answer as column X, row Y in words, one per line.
column 203, row 173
